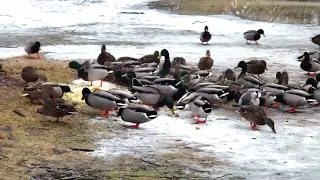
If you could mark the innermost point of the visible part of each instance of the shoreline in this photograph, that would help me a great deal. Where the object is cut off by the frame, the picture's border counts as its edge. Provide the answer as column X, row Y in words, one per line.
column 281, row 11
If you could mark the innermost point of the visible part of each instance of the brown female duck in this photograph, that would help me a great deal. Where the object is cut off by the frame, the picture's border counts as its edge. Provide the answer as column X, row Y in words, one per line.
column 253, row 66
column 256, row 116
column 206, row 63
column 29, row 74
column 105, row 57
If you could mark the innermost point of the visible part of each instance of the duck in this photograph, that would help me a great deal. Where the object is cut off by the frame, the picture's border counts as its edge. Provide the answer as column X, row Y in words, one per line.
column 29, row 74
column 138, row 114
column 126, row 58
column 282, row 78
column 57, row 108
column 151, row 95
column 267, row 99
column 33, row 48
column 309, row 64
column 166, row 64
column 105, row 57
column 102, row 100
column 228, row 74
column 315, row 89
column 252, row 96
column 36, row 93
column 178, row 60
column 256, row 116
column 91, row 72
column 253, row 35
column 125, row 95
column 155, row 57
column 200, row 108
column 295, row 98
column 249, row 81
column 206, row 63
column 253, row 66
column 205, row 36
column 316, row 39
column 57, row 89
column 312, row 55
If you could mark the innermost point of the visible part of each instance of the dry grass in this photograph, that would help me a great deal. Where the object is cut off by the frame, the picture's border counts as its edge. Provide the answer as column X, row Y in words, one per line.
column 262, row 10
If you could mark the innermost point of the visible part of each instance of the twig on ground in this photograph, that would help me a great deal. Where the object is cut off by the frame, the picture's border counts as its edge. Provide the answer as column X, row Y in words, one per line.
column 199, row 22
column 82, row 149
column 19, row 113
column 149, row 162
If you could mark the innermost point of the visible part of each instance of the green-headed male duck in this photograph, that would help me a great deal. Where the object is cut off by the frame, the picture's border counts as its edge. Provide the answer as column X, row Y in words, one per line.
column 309, row 64
column 166, row 64
column 253, row 35
column 138, row 114
column 105, row 57
column 102, row 100
column 315, row 89
column 206, row 63
column 29, row 74
column 205, row 36
column 32, row 48
column 295, row 98
column 256, row 116
column 92, row 72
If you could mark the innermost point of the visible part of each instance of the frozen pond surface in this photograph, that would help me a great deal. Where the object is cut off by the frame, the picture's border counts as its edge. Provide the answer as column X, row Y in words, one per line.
column 71, row 31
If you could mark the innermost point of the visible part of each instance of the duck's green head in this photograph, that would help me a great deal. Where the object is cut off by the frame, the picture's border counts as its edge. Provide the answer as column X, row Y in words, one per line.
column 74, row 65
column 242, row 65
column 184, row 73
column 278, row 77
column 318, row 77
column 118, row 74
column 311, row 81
column 131, row 75
column 165, row 53
column 65, row 88
column 167, row 102
column 157, row 54
column 85, row 92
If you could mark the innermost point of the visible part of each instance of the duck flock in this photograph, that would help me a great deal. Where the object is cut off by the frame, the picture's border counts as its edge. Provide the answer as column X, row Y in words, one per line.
column 151, row 84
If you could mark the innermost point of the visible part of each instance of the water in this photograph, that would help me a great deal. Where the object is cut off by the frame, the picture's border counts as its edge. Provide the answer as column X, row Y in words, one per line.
column 71, row 31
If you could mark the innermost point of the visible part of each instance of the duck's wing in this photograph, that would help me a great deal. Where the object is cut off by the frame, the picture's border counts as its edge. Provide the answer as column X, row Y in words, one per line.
column 105, row 95
column 140, row 108
column 298, row 92
column 250, row 31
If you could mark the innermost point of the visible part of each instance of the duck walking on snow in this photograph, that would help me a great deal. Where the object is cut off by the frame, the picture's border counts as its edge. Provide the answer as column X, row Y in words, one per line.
column 205, row 36
column 32, row 48
column 253, row 35
column 138, row 114
column 200, row 108
column 256, row 116
column 309, row 64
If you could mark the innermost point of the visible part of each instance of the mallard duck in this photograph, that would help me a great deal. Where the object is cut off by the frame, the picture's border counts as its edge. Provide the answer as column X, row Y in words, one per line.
column 32, row 48
column 295, row 98
column 200, row 108
column 166, row 64
column 126, row 58
column 253, row 35
column 57, row 89
column 253, row 66
column 256, row 116
column 267, row 99
column 151, row 96
column 102, row 100
column 316, row 39
column 178, row 60
column 206, row 63
column 228, row 74
column 29, row 74
column 312, row 55
column 250, row 97
column 138, row 114
column 155, row 57
column 36, row 93
column 249, row 81
column 282, row 78
column 315, row 89
column 205, row 36
column 57, row 108
column 309, row 64
column 92, row 72
column 211, row 94
column 105, row 57
column 126, row 96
